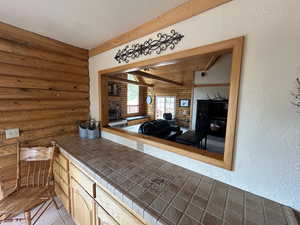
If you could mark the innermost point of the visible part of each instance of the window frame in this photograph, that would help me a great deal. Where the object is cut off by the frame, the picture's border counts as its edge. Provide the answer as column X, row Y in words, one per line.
column 165, row 96
column 234, row 46
column 138, row 105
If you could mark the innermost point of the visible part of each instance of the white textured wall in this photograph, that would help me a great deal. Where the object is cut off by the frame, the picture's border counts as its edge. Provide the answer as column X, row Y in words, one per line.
column 267, row 153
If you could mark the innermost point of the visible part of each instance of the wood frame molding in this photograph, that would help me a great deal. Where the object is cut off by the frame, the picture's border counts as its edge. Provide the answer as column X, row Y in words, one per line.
column 235, row 46
column 175, row 15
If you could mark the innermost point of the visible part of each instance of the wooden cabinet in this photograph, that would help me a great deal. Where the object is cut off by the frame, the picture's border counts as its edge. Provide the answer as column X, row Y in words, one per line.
column 103, row 218
column 62, row 196
column 78, row 175
column 117, row 210
column 83, row 205
column 61, row 178
column 88, row 203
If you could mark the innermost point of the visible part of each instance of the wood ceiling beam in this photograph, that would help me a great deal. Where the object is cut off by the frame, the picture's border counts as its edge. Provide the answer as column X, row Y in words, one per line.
column 182, row 12
column 212, row 61
column 141, row 79
column 117, row 79
column 151, row 76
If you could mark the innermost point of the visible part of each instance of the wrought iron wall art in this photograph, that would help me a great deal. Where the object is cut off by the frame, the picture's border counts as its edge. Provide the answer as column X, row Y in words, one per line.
column 296, row 94
column 162, row 43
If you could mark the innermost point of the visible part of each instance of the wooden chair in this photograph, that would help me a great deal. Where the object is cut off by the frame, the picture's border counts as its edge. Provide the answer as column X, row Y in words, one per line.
column 34, row 185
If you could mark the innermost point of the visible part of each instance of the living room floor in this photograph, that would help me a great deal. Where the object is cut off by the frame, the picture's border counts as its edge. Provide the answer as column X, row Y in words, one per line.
column 214, row 144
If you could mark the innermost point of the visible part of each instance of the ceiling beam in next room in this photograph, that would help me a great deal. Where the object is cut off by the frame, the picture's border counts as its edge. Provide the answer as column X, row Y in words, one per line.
column 122, row 80
column 212, row 61
column 154, row 77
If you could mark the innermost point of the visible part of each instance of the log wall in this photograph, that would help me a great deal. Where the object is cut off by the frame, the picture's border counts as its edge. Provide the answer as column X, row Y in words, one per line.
column 44, row 86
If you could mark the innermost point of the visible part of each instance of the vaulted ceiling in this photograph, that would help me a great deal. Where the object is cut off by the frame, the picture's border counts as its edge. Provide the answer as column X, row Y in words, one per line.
column 82, row 23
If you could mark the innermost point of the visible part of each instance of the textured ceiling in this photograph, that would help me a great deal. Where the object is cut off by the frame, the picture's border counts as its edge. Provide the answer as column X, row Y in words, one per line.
column 82, row 23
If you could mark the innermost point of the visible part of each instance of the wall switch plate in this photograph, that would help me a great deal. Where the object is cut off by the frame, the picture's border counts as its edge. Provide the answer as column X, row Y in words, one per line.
column 12, row 133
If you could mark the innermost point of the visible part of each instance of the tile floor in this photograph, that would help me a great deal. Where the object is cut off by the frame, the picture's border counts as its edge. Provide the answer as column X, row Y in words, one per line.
column 52, row 216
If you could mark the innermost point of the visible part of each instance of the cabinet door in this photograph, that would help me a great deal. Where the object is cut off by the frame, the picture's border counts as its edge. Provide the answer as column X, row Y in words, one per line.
column 103, row 218
column 82, row 205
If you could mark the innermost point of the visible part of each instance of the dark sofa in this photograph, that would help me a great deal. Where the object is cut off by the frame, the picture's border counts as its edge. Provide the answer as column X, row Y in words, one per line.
column 161, row 129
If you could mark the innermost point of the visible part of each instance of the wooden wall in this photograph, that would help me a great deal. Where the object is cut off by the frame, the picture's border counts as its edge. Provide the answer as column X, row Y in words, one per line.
column 122, row 99
column 44, row 86
column 183, row 114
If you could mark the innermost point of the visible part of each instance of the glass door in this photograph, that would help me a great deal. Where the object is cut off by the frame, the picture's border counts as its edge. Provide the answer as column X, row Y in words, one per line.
column 165, row 104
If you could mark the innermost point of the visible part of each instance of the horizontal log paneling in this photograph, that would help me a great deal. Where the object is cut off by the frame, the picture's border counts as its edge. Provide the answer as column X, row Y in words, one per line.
column 46, row 140
column 20, row 105
column 23, row 71
column 41, row 64
column 11, row 47
column 27, row 38
column 28, row 136
column 21, row 82
column 44, row 86
column 42, row 124
column 18, row 116
column 24, row 93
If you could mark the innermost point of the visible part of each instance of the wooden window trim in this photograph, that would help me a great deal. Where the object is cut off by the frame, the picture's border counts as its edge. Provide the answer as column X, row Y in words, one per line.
column 139, row 103
column 167, row 95
column 235, row 46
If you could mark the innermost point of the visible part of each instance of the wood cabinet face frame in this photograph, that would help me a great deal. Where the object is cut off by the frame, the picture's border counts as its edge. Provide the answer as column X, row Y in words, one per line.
column 83, row 206
column 234, row 46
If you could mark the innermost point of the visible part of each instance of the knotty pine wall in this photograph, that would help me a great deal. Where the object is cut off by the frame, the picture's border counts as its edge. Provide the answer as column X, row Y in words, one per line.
column 44, row 86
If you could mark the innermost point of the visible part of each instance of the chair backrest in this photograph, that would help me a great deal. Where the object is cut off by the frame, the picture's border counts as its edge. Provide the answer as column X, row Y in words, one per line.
column 203, row 123
column 34, row 167
column 167, row 116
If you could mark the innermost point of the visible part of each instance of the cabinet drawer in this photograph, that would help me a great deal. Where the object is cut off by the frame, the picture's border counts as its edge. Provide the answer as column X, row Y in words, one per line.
column 63, row 162
column 62, row 197
column 83, row 206
column 64, row 175
column 122, row 215
column 83, row 180
column 104, row 218
column 64, row 187
column 56, row 177
column 56, row 168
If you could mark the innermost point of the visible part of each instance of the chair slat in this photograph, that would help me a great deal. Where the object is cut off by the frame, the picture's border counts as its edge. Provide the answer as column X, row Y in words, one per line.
column 28, row 175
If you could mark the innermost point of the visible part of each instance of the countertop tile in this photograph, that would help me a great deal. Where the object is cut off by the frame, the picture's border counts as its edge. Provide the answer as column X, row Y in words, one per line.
column 194, row 212
column 164, row 193
column 186, row 220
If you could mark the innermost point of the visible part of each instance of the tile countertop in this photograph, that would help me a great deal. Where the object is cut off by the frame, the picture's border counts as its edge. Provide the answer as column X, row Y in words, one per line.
column 166, row 194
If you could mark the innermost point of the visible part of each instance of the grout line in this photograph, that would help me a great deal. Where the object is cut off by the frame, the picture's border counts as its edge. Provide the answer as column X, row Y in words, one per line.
column 190, row 202
column 244, row 205
column 208, row 201
column 170, row 202
column 264, row 211
column 226, row 204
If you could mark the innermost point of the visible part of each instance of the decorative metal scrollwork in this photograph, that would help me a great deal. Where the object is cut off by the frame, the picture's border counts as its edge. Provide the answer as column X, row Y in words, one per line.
column 296, row 94
column 163, row 42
